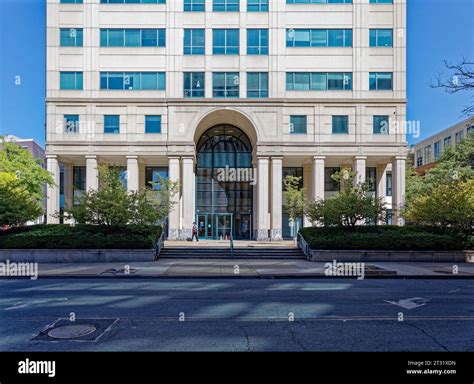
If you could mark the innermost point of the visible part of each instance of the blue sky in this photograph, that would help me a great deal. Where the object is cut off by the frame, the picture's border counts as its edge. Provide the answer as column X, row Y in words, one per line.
column 437, row 30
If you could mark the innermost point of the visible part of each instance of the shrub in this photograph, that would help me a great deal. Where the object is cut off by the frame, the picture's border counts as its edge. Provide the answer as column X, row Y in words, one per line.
column 80, row 237
column 408, row 238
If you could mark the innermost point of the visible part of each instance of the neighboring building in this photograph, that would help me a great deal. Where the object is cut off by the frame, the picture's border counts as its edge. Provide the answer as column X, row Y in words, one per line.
column 427, row 152
column 184, row 88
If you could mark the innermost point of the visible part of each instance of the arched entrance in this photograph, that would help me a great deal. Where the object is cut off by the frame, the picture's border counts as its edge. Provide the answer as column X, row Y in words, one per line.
column 224, row 184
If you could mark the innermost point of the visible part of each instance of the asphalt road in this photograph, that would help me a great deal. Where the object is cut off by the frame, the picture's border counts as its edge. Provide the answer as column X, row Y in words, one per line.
column 243, row 315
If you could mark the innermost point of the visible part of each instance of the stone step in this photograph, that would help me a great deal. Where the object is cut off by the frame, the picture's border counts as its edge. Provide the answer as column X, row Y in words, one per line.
column 224, row 253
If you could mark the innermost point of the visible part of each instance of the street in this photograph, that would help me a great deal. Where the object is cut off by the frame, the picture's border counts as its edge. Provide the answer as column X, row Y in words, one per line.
column 242, row 314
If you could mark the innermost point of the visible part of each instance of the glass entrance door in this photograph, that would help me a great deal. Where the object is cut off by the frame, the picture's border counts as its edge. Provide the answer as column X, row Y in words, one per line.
column 204, row 223
column 223, row 226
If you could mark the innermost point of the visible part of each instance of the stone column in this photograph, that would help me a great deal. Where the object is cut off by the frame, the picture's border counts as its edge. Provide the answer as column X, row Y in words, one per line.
column 68, row 185
column 382, row 184
column 52, row 205
column 174, row 176
column 359, row 168
column 318, row 178
column 188, row 198
column 133, row 179
column 398, row 189
column 92, row 173
column 262, row 224
column 277, row 198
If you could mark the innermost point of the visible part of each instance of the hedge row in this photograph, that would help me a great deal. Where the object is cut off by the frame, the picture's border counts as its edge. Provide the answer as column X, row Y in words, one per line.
column 387, row 238
column 80, row 237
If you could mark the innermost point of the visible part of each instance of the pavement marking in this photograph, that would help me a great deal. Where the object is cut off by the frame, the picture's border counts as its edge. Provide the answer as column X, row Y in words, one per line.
column 37, row 302
column 411, row 303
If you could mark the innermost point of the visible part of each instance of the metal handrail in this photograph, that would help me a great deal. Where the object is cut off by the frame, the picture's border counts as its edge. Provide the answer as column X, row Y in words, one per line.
column 231, row 246
column 159, row 245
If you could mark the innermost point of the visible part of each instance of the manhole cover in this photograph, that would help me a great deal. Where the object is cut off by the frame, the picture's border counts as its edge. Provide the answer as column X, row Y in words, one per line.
column 71, row 331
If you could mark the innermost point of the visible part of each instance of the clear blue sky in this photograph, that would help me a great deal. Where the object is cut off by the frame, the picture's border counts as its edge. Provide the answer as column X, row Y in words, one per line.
column 437, row 30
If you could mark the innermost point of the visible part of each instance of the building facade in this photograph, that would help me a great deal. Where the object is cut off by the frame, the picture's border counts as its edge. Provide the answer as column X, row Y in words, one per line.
column 427, row 152
column 197, row 90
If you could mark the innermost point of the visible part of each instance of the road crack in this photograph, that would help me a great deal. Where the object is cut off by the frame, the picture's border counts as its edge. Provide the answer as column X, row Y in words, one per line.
column 429, row 336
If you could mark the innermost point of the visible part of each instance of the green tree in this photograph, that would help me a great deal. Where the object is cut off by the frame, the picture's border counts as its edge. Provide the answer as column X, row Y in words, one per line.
column 23, row 183
column 111, row 204
column 294, row 199
column 352, row 206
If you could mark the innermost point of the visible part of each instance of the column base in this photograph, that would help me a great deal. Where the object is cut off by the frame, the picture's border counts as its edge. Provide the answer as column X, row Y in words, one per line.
column 185, row 234
column 262, row 235
column 173, row 234
column 276, row 235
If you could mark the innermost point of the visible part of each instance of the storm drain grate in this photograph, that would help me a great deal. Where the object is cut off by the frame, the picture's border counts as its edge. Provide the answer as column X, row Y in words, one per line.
column 78, row 330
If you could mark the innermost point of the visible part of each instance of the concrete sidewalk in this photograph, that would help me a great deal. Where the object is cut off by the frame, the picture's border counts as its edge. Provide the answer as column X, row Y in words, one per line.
column 246, row 269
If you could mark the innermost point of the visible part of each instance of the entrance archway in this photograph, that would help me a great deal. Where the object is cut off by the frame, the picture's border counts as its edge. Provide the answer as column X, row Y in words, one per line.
column 224, row 184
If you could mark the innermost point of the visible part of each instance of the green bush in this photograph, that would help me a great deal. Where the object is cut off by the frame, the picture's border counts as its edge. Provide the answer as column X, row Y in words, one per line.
column 80, row 237
column 407, row 238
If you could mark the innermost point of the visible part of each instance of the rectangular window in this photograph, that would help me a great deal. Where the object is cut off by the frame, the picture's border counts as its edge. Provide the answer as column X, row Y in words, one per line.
column 194, row 84
column 133, row 81
column 71, row 37
column 319, row 1
column 152, row 176
column 381, row 125
column 298, row 124
column 306, row 81
column 371, row 178
column 194, row 5
column 133, row 1
column 437, row 150
column 381, row 37
column 340, row 124
column 257, row 41
column 458, row 137
column 112, row 124
column 71, row 123
column 381, row 1
column 257, row 5
column 71, row 1
column 71, row 80
column 447, row 142
column 132, row 37
column 152, row 124
column 225, row 84
column 389, row 184
column 225, row 41
column 428, row 154
column 318, row 37
column 381, row 81
column 194, row 42
column 226, row 5
column 419, row 158
column 257, row 84
column 330, row 185
column 79, row 178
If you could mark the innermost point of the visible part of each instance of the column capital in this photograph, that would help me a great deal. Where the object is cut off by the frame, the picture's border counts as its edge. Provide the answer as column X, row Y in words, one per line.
column 263, row 158
column 360, row 157
column 187, row 159
column 51, row 156
column 131, row 157
column 277, row 158
column 91, row 157
column 400, row 157
column 319, row 157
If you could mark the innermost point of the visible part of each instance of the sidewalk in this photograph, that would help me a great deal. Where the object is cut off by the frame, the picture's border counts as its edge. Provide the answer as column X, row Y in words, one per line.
column 246, row 269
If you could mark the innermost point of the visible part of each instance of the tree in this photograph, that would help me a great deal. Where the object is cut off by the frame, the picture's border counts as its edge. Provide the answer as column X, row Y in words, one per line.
column 111, row 204
column 294, row 199
column 352, row 206
column 461, row 79
column 22, row 186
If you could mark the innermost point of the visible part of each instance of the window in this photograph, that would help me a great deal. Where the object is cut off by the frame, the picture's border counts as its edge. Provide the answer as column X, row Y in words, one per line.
column 419, row 158
column 71, row 1
column 225, row 41
column 458, row 137
column 79, row 178
column 225, row 5
column 194, row 84
column 152, row 124
column 133, row 1
column 132, row 37
column 152, row 176
column 389, row 217
column 306, row 81
column 381, row 125
column 298, row 124
column 340, row 124
column 225, row 84
column 470, row 130
column 381, row 38
column 318, row 1
column 257, row 84
column 319, row 37
column 257, row 41
column 257, row 5
column 380, row 81
column 71, row 37
column 330, row 185
column 194, row 5
column 136, row 81
column 428, row 154
column 194, row 42
column 111, row 124
column 437, row 150
column 71, row 123
column 389, row 184
column 371, row 178
column 447, row 142
column 381, row 1
column 71, row 80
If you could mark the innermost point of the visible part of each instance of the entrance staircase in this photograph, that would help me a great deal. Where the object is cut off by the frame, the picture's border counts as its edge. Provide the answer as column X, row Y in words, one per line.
column 243, row 250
